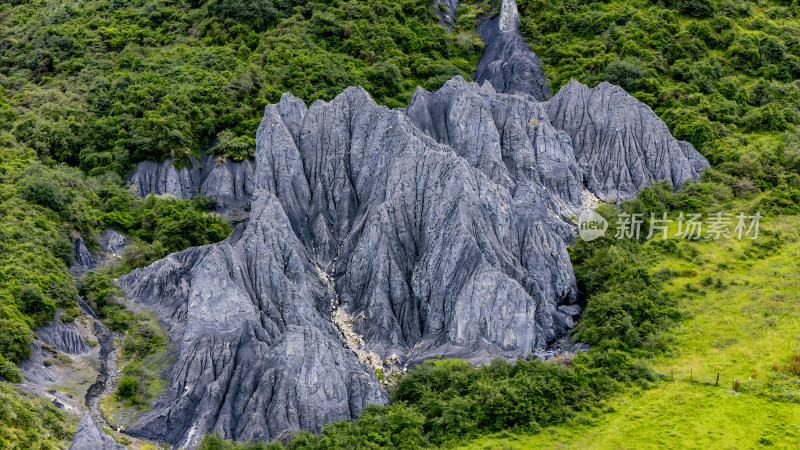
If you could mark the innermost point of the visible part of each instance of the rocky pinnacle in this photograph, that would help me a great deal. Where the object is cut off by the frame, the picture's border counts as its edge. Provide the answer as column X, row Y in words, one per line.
column 380, row 238
column 507, row 62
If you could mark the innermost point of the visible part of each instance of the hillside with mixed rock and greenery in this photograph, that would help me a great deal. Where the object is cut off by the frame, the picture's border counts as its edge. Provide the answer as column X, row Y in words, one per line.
column 693, row 343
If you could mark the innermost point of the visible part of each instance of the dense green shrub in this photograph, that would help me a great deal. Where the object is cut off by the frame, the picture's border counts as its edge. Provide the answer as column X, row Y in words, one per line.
column 35, row 304
column 781, row 200
column 104, row 86
column 99, row 291
column 257, row 14
column 129, row 389
column 42, row 192
column 144, row 339
column 9, row 371
column 628, row 73
column 444, row 402
column 15, row 340
column 237, row 148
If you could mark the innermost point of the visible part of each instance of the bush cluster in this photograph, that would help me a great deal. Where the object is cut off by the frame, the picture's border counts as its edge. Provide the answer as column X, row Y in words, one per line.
column 719, row 73
column 102, row 85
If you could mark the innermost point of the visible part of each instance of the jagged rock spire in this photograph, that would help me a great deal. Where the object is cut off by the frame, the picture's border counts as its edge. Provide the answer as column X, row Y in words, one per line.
column 507, row 62
column 89, row 436
column 509, row 16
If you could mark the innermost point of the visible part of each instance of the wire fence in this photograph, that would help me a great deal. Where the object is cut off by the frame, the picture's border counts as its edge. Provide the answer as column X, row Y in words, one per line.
column 777, row 388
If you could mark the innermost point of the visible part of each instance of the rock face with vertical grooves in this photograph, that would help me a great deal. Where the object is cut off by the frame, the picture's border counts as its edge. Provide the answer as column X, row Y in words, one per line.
column 620, row 144
column 380, row 238
column 62, row 337
column 433, row 242
column 435, row 230
column 257, row 352
column 228, row 182
column 83, row 260
column 507, row 62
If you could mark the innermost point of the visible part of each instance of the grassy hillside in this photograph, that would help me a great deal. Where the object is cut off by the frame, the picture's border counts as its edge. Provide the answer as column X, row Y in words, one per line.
column 741, row 319
column 723, row 74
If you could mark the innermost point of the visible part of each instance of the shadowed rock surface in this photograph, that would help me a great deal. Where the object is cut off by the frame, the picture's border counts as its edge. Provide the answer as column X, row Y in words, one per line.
column 620, row 144
column 113, row 242
column 89, row 436
column 228, row 182
column 507, row 62
column 83, row 260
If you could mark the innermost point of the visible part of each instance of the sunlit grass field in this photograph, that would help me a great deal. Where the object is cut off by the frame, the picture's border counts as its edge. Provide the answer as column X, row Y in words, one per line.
column 740, row 302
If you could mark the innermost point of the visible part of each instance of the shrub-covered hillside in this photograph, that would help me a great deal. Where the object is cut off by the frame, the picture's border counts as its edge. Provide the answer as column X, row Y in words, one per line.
column 87, row 88
column 723, row 74
column 102, row 84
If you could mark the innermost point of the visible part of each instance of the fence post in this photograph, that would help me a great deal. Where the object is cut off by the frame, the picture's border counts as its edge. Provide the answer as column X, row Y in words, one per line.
column 716, row 383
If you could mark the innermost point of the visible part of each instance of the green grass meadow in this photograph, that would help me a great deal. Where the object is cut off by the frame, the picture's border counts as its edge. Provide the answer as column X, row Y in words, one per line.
column 745, row 326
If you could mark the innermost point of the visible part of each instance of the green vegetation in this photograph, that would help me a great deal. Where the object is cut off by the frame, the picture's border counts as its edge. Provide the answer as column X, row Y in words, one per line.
column 33, row 424
column 42, row 208
column 740, row 319
column 723, row 74
column 101, row 85
column 143, row 356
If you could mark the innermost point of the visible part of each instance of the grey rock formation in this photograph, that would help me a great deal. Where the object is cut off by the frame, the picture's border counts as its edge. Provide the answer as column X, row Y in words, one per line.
column 53, row 338
column 425, row 249
column 62, row 337
column 112, row 242
column 508, row 137
column 507, row 62
column 446, row 9
column 228, row 182
column 620, row 144
column 83, row 258
column 378, row 238
column 258, row 354
column 89, row 436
